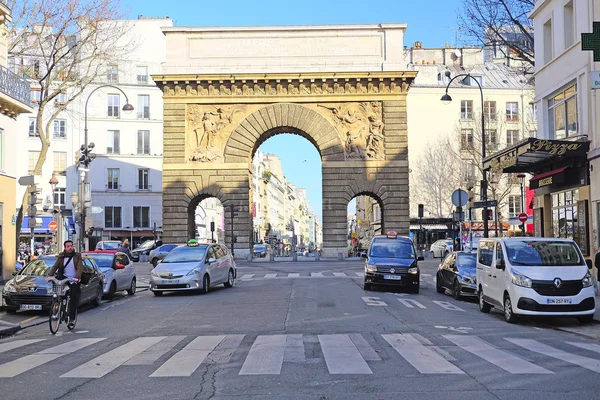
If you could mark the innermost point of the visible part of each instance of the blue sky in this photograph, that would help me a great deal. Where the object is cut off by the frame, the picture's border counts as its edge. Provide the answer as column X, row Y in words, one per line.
column 432, row 22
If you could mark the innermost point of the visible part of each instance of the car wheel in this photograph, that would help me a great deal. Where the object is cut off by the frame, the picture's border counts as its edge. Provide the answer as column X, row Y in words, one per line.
column 456, row 290
column 205, row 284
column 438, row 286
column 509, row 315
column 112, row 290
column 131, row 290
column 154, row 262
column 483, row 306
column 230, row 279
column 586, row 319
column 366, row 285
column 158, row 294
column 98, row 299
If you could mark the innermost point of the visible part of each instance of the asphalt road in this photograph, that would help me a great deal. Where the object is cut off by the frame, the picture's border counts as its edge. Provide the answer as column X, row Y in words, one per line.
column 299, row 331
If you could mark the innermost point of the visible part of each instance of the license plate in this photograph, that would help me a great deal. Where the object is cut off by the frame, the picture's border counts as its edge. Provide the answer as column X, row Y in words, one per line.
column 170, row 281
column 559, row 301
column 30, row 307
column 393, row 277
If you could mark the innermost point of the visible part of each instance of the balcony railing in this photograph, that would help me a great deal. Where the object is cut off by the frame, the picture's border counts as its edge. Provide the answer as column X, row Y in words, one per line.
column 113, row 188
column 14, row 86
column 143, row 188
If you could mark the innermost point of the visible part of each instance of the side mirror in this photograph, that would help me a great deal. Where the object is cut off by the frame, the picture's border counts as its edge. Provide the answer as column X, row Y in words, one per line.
column 212, row 260
column 363, row 254
column 589, row 264
column 500, row 264
column 120, row 266
column 420, row 258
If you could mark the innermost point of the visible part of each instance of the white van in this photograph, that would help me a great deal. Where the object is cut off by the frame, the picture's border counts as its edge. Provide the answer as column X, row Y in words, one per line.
column 534, row 276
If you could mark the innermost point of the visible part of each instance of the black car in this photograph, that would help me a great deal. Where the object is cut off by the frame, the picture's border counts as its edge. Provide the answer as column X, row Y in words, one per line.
column 392, row 260
column 144, row 249
column 28, row 289
column 458, row 273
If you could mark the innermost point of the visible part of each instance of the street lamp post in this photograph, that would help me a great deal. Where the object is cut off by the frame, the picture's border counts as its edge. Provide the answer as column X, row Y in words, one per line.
column 53, row 183
column 521, row 177
column 446, row 99
column 86, row 158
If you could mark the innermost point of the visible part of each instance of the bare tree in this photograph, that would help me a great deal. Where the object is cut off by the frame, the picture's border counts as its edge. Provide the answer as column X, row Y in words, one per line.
column 62, row 46
column 502, row 25
column 436, row 177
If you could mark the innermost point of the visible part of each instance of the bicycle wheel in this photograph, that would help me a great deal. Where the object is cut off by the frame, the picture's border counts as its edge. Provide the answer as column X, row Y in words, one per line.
column 55, row 316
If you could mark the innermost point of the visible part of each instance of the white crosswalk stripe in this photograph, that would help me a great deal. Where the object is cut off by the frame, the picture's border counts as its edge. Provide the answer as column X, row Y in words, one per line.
column 342, row 356
column 246, row 276
column 316, row 274
column 270, row 276
column 586, row 346
column 265, row 356
column 294, row 275
column 186, row 361
column 17, row 343
column 339, row 274
column 534, row 345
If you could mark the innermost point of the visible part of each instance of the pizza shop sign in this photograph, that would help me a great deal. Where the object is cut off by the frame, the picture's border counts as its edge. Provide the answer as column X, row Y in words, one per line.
column 554, row 148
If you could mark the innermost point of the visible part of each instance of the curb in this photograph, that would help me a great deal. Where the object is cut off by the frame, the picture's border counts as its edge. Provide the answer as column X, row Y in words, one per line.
column 10, row 329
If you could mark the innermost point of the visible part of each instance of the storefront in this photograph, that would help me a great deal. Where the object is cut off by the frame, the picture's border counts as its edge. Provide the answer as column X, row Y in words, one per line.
column 560, row 179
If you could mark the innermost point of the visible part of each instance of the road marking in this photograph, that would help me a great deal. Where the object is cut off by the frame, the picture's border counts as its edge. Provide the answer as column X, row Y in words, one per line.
column 270, row 276
column 365, row 349
column 339, row 274
column 425, row 275
column 585, row 346
column 534, row 345
column 409, row 303
column 29, row 319
column 342, row 356
column 265, row 356
column 374, row 301
column 17, row 343
column 151, row 355
column 188, row 359
column 447, row 305
column 23, row 364
column 294, row 349
column 360, row 274
column 316, row 274
column 246, row 276
column 425, row 360
column 500, row 358
column 102, row 365
column 293, row 275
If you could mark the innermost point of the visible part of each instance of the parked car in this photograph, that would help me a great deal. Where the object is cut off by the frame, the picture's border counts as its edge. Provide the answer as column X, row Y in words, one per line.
column 160, row 253
column 458, row 274
column 118, row 271
column 108, row 245
column 392, row 260
column 28, row 289
column 194, row 267
column 473, row 247
column 534, row 276
column 145, row 249
column 441, row 248
column 260, row 250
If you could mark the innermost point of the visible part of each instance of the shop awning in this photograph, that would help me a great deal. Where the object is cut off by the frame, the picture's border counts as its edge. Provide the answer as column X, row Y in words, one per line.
column 42, row 228
column 547, row 178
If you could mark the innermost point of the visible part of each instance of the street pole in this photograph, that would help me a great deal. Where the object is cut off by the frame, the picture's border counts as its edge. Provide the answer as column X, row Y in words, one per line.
column 232, row 209
column 522, row 179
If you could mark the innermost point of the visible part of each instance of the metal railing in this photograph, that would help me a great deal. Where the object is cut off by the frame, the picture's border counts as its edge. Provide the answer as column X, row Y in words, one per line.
column 143, row 188
column 113, row 188
column 14, row 86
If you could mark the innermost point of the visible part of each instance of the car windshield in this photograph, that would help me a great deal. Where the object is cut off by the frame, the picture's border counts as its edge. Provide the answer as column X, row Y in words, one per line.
column 392, row 248
column 185, row 254
column 260, row 247
column 110, row 245
column 543, row 253
column 466, row 260
column 103, row 260
column 146, row 245
column 38, row 267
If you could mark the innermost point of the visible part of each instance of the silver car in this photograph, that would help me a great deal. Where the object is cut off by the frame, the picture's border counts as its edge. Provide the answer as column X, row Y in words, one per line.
column 194, row 267
column 160, row 253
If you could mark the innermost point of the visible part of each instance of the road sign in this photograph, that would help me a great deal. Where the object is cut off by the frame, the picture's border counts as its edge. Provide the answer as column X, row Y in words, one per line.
column 482, row 204
column 523, row 217
column 595, row 76
column 53, row 226
column 97, row 210
column 460, row 198
column 26, row 180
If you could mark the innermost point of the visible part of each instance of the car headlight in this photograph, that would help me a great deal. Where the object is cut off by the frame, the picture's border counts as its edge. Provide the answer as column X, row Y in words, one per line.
column 195, row 271
column 154, row 273
column 467, row 279
column 587, row 280
column 413, row 270
column 371, row 267
column 520, row 279
column 10, row 289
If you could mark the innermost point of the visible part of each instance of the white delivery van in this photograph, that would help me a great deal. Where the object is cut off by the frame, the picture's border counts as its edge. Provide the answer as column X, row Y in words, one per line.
column 534, row 276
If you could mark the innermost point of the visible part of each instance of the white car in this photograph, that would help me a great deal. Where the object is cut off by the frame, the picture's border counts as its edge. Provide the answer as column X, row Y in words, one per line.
column 534, row 276
column 118, row 271
column 441, row 248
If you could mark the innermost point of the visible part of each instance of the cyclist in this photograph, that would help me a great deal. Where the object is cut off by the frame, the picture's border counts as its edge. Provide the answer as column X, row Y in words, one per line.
column 69, row 265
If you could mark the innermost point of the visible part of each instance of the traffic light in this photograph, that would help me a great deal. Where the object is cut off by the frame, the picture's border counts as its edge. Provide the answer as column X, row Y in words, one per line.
column 34, row 199
column 470, row 197
column 421, row 210
column 86, row 156
column 489, row 215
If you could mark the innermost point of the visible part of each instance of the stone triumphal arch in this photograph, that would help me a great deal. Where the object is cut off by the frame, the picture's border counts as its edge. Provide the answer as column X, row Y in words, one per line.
column 226, row 90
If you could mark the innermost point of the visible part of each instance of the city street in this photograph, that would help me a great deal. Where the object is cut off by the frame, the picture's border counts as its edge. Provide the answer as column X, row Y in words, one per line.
column 304, row 330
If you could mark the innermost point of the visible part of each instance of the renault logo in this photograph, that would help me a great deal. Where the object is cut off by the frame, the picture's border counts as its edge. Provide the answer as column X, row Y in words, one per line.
column 392, row 271
column 557, row 283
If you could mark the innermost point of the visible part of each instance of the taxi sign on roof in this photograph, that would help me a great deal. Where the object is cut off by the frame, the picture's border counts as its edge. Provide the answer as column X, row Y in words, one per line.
column 192, row 243
column 392, row 234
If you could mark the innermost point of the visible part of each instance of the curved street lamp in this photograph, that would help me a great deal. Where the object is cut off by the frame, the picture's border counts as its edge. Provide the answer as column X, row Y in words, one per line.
column 446, row 99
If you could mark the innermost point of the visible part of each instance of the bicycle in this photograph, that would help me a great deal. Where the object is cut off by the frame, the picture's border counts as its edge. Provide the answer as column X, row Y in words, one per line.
column 59, row 309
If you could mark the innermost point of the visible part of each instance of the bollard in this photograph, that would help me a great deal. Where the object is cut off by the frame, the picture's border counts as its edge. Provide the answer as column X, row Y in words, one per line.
column 294, row 256
column 271, row 257
column 249, row 256
column 340, row 256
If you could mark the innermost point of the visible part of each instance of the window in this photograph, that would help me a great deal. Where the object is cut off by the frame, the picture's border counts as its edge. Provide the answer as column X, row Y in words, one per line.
column 469, row 171
column 512, row 112
column 466, row 139
column 112, row 74
column 61, row 98
column 489, row 108
column 569, row 28
column 466, row 109
column 60, row 197
column 113, row 141
column 533, row 111
column 515, row 206
column 60, row 129
column 142, row 75
column 143, row 142
column 33, row 159
column 491, row 137
column 60, row 162
column 499, row 254
column 141, row 217
column 114, row 101
column 562, row 114
column 512, row 137
column 113, row 179
column 143, row 108
column 533, row 133
column 564, row 213
column 112, row 217
column 33, row 132
column 548, row 45
column 35, row 95
column 143, row 178
column 486, row 253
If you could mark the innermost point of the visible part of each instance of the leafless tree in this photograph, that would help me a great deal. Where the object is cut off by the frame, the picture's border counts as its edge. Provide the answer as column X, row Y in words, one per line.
column 503, row 25
column 61, row 47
